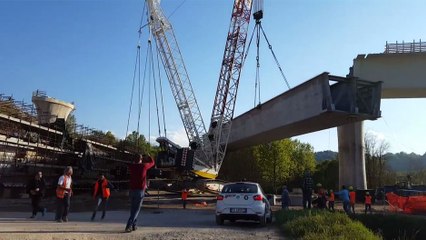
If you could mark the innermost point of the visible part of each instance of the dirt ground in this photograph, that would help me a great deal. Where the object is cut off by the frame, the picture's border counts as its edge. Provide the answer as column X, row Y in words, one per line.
column 159, row 219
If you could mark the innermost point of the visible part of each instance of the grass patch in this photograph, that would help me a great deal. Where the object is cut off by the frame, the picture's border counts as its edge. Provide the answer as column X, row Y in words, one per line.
column 316, row 225
column 393, row 226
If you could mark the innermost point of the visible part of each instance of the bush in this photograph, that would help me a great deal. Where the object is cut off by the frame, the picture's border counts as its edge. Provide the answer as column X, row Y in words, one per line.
column 322, row 225
column 395, row 226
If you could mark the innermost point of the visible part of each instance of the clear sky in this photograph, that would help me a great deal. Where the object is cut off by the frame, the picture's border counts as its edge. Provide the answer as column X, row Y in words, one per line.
column 84, row 51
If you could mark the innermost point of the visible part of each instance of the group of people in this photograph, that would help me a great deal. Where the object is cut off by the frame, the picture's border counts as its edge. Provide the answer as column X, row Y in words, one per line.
column 101, row 192
column 319, row 197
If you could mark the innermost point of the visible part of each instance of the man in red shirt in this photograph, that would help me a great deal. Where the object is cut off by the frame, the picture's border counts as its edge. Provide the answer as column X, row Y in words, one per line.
column 137, row 187
column 184, row 197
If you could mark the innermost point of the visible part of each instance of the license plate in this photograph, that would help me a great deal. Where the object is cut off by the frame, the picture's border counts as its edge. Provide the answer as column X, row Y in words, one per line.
column 238, row 210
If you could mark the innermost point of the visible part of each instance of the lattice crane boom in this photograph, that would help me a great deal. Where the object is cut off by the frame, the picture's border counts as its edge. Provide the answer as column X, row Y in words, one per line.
column 226, row 93
column 209, row 147
column 177, row 74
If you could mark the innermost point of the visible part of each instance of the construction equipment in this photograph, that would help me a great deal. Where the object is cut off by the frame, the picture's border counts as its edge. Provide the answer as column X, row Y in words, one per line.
column 207, row 149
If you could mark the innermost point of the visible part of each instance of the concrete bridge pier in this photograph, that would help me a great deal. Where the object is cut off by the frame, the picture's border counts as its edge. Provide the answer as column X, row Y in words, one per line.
column 351, row 155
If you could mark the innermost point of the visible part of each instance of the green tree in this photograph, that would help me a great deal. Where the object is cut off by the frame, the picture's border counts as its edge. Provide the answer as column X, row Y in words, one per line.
column 327, row 173
column 272, row 164
column 136, row 142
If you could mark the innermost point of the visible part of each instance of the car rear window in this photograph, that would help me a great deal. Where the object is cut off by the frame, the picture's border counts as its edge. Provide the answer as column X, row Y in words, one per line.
column 240, row 188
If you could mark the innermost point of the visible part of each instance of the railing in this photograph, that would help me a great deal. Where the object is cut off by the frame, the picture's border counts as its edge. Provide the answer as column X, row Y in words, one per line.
column 405, row 47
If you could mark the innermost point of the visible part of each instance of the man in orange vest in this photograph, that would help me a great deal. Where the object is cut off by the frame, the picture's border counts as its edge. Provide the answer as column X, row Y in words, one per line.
column 352, row 198
column 367, row 202
column 331, row 200
column 184, row 197
column 101, row 193
column 63, row 195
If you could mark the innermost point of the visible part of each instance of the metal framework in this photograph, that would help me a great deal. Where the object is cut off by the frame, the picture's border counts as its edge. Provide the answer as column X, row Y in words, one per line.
column 405, row 47
column 177, row 75
column 210, row 148
column 226, row 93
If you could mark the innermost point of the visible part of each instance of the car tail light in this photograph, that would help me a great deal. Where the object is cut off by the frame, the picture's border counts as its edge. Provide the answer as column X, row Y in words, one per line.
column 257, row 198
column 219, row 197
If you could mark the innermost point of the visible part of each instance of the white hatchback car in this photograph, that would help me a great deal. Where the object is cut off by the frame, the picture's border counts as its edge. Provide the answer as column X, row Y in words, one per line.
column 242, row 201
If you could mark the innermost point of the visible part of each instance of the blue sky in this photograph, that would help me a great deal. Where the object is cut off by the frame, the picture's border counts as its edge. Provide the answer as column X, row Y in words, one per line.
column 83, row 51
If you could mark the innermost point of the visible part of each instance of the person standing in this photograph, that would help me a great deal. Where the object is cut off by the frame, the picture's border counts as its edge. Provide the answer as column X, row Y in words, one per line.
column 321, row 200
column 367, row 202
column 331, row 200
column 344, row 195
column 352, row 198
column 138, row 172
column 35, row 188
column 285, row 198
column 101, row 194
column 307, row 187
column 63, row 195
column 184, row 197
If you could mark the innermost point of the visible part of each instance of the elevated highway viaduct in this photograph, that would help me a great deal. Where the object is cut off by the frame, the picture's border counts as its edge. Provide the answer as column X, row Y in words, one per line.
column 327, row 101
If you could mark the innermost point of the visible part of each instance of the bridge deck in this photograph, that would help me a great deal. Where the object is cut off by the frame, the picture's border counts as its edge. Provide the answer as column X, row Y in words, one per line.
column 323, row 102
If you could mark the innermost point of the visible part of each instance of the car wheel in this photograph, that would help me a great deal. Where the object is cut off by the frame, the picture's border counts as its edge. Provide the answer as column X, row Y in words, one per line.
column 262, row 220
column 219, row 220
column 269, row 219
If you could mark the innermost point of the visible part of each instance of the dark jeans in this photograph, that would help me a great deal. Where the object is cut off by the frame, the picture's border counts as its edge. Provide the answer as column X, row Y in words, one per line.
column 35, row 202
column 346, row 207
column 367, row 207
column 63, row 207
column 136, row 199
column 101, row 204
column 184, row 204
column 307, row 200
column 331, row 205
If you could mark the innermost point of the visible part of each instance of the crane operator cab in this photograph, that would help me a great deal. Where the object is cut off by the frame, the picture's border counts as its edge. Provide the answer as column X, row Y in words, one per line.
column 171, row 155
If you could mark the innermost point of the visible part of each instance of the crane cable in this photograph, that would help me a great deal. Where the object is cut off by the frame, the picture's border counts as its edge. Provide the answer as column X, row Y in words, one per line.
column 149, row 71
column 257, row 28
column 137, row 62
column 275, row 57
column 155, row 89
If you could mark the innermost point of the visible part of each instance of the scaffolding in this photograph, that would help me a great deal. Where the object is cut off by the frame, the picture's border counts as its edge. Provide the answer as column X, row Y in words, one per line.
column 405, row 47
column 27, row 146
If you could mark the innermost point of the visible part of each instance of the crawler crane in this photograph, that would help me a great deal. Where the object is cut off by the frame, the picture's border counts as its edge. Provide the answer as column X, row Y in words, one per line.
column 206, row 151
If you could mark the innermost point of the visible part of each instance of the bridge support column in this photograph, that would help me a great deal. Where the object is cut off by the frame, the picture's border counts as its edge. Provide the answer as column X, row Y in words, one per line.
column 351, row 155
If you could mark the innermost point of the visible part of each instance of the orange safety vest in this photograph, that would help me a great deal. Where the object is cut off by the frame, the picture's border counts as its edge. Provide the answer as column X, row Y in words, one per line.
column 184, row 195
column 368, row 200
column 105, row 189
column 352, row 197
column 60, row 190
column 331, row 199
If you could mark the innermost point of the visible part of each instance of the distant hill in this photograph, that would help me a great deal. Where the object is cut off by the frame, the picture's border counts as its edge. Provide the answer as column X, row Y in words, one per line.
column 406, row 161
column 398, row 162
column 325, row 155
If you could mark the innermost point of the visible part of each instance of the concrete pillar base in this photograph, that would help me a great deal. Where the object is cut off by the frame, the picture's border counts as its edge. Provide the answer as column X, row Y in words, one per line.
column 351, row 155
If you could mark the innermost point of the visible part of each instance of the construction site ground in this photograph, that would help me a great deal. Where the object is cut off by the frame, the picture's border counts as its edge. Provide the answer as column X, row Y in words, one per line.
column 161, row 218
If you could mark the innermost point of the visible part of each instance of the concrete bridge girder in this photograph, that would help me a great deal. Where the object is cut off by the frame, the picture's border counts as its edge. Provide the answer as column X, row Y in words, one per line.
column 322, row 102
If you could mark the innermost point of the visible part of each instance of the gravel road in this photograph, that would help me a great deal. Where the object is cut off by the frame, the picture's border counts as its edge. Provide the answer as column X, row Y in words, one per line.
column 159, row 224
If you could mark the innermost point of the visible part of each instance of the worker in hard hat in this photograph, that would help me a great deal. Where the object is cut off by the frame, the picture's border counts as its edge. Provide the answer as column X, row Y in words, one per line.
column 321, row 200
column 184, row 196
column 285, row 198
column 367, row 202
column 307, row 187
column 352, row 199
column 331, row 200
